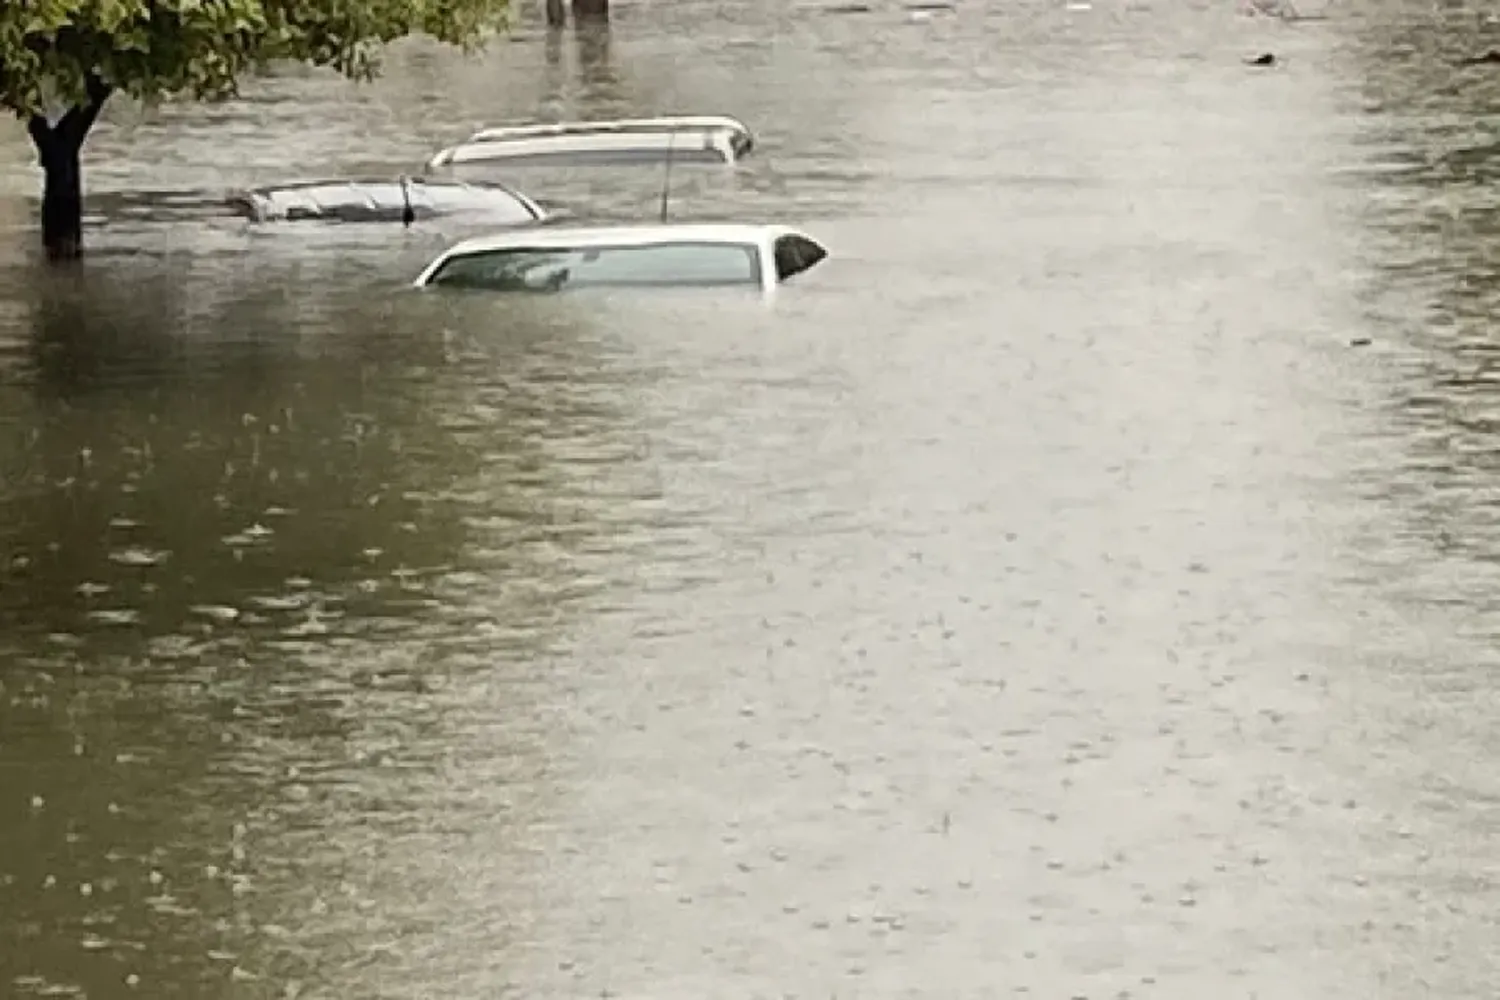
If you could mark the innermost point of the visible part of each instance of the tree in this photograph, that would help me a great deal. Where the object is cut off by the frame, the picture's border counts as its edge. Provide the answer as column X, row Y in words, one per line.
column 60, row 60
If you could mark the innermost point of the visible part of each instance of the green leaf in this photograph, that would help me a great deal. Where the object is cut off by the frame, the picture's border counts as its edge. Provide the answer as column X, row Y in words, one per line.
column 201, row 48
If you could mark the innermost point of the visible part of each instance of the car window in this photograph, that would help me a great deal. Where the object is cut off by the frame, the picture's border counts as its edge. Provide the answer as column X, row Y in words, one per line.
column 795, row 254
column 529, row 269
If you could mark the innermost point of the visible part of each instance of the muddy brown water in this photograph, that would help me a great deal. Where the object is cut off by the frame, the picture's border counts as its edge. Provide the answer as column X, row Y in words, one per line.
column 1042, row 597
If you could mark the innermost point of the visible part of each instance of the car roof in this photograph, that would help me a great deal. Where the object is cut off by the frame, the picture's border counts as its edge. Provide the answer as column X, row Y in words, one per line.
column 360, row 183
column 531, row 130
column 683, row 143
column 331, row 197
column 558, row 237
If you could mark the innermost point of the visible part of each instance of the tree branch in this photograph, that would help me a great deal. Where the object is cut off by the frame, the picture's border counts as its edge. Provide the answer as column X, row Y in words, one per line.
column 97, row 89
column 75, row 125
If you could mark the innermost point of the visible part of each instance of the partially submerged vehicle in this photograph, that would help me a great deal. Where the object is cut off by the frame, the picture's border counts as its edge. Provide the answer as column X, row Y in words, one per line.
column 401, row 200
column 684, row 255
column 661, row 123
column 681, row 138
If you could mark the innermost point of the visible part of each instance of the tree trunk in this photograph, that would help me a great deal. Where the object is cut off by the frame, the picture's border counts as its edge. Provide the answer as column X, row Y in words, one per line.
column 557, row 13
column 594, row 11
column 58, row 149
column 62, row 201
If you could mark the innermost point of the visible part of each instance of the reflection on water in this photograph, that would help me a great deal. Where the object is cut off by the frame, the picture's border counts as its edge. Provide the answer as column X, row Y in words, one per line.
column 1041, row 596
column 245, row 573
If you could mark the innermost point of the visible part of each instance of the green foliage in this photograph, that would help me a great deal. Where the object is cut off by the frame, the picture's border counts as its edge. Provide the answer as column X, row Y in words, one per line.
column 199, row 48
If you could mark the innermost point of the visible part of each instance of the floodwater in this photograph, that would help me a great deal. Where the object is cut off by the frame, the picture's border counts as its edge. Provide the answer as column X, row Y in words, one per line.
column 1044, row 596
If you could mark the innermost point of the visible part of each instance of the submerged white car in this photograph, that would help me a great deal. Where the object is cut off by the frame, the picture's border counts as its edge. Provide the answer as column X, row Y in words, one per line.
column 409, row 199
column 683, row 255
column 685, row 138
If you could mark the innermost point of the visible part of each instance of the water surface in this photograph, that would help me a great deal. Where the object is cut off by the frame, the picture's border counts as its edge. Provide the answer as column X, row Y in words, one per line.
column 1040, row 597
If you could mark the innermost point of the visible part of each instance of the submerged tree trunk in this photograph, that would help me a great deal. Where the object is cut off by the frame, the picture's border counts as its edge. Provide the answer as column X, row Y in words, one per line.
column 58, row 149
column 557, row 14
column 595, row 11
column 62, row 201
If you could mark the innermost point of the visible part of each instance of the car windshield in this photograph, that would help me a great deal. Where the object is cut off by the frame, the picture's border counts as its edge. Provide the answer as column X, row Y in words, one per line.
column 536, row 269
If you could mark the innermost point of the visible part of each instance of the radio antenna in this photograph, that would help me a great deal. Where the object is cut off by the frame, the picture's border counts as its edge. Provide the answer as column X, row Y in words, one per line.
column 407, row 215
column 666, row 181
